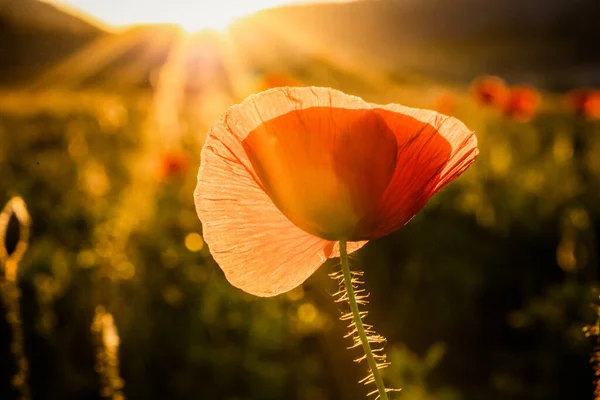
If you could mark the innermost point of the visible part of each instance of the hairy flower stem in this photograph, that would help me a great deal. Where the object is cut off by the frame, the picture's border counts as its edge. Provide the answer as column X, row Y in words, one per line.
column 358, row 322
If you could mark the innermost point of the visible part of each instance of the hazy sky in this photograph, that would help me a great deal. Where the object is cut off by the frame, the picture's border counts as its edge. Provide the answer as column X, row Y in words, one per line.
column 191, row 14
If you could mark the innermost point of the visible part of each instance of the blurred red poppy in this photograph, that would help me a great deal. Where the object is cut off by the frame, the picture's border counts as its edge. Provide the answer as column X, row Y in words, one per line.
column 592, row 105
column 489, row 91
column 522, row 103
column 172, row 164
column 584, row 102
column 289, row 172
column 273, row 80
column 445, row 103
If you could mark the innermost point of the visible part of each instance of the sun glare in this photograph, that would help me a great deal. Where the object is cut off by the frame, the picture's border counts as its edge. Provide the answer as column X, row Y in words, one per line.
column 191, row 15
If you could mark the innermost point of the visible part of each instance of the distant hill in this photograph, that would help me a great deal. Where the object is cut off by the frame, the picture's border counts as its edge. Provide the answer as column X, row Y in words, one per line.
column 455, row 39
column 552, row 43
column 35, row 35
column 40, row 15
column 410, row 21
column 124, row 61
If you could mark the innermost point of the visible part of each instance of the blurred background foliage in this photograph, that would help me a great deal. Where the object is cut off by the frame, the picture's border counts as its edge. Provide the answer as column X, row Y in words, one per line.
column 484, row 295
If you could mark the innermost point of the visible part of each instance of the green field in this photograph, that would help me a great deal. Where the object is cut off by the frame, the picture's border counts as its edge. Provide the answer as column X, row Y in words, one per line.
column 482, row 296
column 490, row 293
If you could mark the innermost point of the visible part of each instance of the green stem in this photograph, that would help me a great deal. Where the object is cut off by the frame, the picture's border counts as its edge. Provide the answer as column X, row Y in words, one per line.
column 358, row 322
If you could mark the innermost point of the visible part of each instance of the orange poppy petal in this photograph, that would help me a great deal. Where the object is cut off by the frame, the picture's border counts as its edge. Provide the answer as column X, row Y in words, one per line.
column 434, row 149
column 325, row 168
column 333, row 251
column 258, row 248
column 339, row 167
column 290, row 170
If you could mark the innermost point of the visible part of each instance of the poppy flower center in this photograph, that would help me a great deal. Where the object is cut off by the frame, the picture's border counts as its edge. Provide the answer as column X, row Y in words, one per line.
column 325, row 168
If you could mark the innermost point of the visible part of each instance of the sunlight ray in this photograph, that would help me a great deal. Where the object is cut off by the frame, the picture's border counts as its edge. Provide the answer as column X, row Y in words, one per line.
column 90, row 60
column 156, row 51
column 354, row 65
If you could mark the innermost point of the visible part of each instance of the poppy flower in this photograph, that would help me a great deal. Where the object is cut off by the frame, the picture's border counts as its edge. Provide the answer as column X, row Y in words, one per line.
column 584, row 102
column 522, row 103
column 445, row 103
column 274, row 80
column 592, row 105
column 489, row 91
column 575, row 100
column 289, row 172
column 172, row 164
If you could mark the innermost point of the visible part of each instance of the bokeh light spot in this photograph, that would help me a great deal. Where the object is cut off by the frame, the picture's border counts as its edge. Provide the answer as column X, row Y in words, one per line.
column 307, row 313
column 295, row 294
column 194, row 242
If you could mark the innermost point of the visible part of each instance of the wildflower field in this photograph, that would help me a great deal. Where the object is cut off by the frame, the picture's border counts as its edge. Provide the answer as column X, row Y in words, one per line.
column 108, row 289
